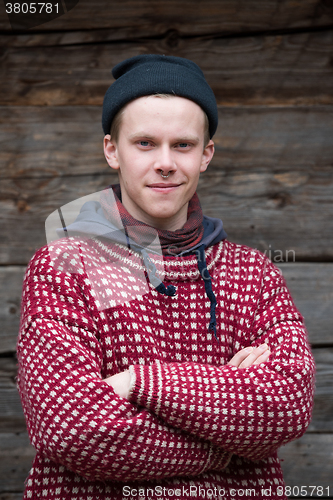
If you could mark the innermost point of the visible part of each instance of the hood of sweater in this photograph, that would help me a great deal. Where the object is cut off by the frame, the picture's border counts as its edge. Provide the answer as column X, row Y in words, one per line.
column 90, row 222
column 85, row 218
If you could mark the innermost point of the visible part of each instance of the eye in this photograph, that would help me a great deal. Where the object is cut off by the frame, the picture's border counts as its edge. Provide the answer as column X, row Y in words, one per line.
column 183, row 145
column 145, row 145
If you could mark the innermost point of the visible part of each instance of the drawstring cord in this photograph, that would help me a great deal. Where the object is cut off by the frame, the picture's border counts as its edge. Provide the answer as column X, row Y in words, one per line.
column 170, row 290
column 202, row 266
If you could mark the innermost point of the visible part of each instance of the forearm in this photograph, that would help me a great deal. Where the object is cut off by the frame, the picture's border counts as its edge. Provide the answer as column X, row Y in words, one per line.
column 249, row 412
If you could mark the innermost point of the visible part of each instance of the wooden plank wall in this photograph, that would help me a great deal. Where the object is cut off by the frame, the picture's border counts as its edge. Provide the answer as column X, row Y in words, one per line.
column 270, row 64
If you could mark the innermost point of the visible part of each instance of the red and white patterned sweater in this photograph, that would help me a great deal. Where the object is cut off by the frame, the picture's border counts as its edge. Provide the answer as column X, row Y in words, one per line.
column 193, row 427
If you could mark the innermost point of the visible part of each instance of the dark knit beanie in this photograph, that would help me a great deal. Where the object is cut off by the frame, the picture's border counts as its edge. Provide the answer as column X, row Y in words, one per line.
column 156, row 74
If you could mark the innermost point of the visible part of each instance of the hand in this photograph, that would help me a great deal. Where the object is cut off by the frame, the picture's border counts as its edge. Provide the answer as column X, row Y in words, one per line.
column 250, row 356
column 120, row 382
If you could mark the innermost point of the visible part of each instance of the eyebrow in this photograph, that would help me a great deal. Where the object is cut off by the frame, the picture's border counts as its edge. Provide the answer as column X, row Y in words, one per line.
column 189, row 138
column 138, row 135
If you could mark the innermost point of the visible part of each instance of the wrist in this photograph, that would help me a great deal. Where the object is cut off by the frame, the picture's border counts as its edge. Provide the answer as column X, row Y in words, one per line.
column 132, row 381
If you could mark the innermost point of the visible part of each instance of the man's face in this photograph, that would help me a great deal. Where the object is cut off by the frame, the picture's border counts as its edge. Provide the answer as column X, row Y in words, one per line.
column 159, row 135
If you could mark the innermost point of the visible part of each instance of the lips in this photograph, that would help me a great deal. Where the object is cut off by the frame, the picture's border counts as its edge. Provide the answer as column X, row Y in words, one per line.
column 163, row 185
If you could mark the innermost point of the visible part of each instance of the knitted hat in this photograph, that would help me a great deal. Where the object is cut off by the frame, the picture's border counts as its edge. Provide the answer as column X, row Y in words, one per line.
column 156, row 74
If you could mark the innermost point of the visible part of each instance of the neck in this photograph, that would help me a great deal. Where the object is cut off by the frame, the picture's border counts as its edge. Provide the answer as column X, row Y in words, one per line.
column 173, row 223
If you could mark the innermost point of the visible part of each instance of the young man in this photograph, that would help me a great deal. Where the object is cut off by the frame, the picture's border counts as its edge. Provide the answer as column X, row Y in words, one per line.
column 156, row 358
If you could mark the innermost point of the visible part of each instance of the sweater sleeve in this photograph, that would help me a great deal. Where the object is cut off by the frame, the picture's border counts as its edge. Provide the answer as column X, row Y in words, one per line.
column 74, row 418
column 251, row 411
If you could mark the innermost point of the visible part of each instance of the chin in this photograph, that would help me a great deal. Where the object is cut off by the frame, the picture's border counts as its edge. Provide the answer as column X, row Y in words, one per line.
column 163, row 216
column 164, row 212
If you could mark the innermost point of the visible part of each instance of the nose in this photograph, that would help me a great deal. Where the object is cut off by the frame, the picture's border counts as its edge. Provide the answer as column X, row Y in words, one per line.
column 164, row 162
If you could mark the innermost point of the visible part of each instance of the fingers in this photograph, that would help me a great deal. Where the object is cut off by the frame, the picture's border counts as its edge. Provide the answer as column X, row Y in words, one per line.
column 260, row 354
column 250, row 356
column 120, row 383
column 240, row 356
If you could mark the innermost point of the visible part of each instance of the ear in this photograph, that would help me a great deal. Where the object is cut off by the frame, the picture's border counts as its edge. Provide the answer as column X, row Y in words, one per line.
column 110, row 152
column 207, row 155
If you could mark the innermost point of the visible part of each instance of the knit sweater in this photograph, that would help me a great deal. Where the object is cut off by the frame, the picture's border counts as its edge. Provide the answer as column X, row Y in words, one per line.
column 193, row 426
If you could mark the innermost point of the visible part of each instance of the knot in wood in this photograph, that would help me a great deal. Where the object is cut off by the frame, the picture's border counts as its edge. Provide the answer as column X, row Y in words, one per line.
column 172, row 38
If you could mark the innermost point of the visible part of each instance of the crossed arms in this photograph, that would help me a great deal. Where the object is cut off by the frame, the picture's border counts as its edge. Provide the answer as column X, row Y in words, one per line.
column 249, row 356
column 197, row 414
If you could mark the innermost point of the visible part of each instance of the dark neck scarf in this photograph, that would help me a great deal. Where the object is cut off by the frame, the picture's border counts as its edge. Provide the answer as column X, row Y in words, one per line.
column 172, row 242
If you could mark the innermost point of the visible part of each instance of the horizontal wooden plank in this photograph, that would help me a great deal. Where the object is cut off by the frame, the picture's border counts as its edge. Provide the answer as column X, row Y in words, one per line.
column 11, row 279
column 323, row 405
column 11, row 413
column 282, row 138
column 147, row 18
column 49, row 142
column 293, row 69
column 16, row 455
column 11, row 496
column 311, row 286
column 309, row 462
column 306, row 462
column 286, row 214
column 266, row 210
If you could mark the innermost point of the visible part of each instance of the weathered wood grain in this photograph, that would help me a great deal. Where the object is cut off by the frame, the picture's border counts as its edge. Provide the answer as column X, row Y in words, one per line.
column 283, row 138
column 16, row 455
column 294, row 69
column 148, row 18
column 278, row 213
column 12, row 496
column 11, row 279
column 48, row 142
column 26, row 205
column 323, row 408
column 311, row 286
column 12, row 419
column 289, row 214
column 11, row 413
column 309, row 461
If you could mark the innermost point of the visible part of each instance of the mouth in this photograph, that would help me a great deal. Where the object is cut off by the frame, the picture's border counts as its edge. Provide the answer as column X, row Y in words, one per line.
column 163, row 187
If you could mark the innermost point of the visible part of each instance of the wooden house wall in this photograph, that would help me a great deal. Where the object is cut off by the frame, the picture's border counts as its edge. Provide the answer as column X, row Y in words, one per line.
column 270, row 64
